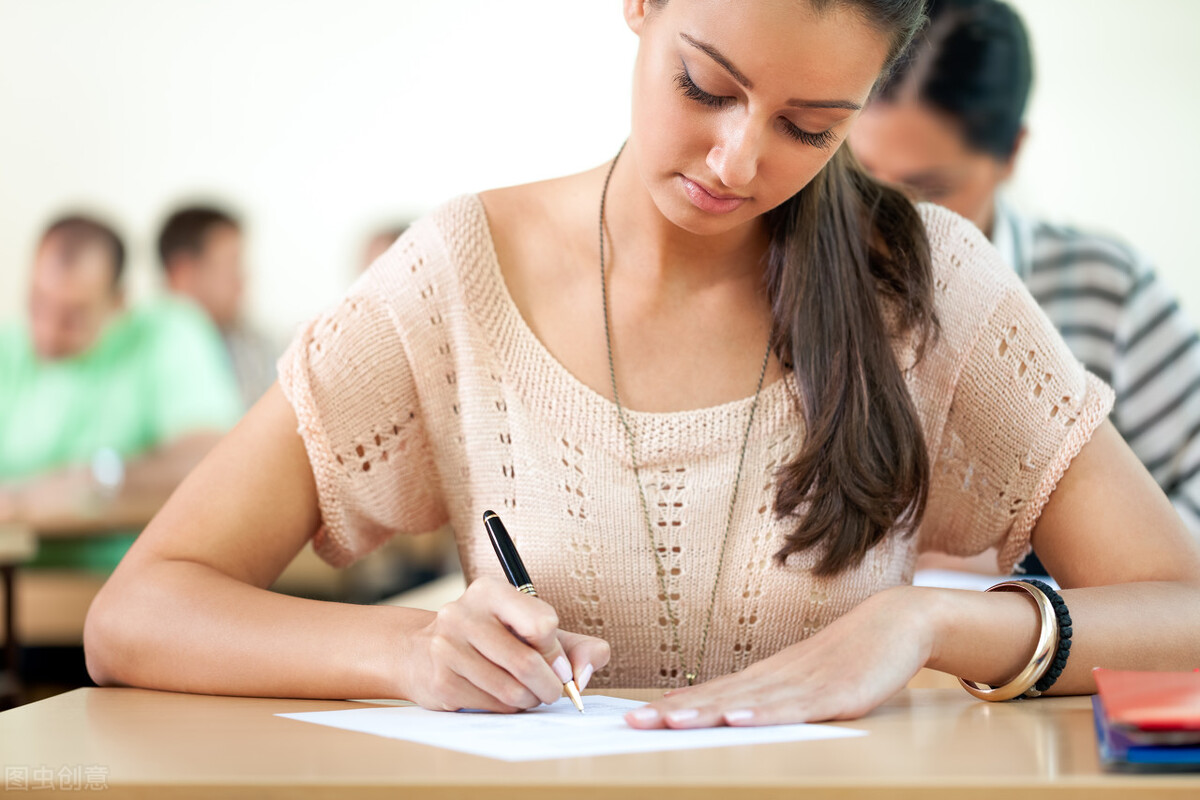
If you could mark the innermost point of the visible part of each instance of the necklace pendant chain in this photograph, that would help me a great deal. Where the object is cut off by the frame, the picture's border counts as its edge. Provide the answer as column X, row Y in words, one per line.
column 690, row 675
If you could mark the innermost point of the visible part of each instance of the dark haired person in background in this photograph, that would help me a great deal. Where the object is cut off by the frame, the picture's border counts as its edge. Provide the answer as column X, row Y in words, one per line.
column 102, row 410
column 948, row 127
column 200, row 248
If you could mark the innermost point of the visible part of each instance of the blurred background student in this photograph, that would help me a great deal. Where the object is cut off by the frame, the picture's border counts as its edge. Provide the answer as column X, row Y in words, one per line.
column 103, row 411
column 102, row 407
column 949, row 128
column 200, row 249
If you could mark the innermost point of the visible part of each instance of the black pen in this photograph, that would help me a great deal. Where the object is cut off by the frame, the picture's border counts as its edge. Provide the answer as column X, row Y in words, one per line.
column 514, row 570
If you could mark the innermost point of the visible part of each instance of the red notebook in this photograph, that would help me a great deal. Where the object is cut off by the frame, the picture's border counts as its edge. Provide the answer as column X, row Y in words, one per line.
column 1150, row 701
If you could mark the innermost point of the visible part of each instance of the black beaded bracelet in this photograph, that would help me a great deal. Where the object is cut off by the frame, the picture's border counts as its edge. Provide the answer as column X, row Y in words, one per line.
column 1063, row 618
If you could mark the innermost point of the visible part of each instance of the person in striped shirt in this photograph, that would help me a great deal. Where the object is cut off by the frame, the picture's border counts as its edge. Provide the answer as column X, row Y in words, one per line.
column 948, row 126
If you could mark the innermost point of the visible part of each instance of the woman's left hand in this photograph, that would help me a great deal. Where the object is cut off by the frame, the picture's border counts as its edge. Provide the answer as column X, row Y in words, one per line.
column 841, row 672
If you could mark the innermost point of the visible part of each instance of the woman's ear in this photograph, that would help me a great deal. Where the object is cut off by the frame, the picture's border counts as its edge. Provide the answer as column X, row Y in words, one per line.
column 635, row 14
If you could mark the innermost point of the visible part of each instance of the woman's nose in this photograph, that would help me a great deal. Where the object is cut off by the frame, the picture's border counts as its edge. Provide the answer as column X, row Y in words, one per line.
column 735, row 155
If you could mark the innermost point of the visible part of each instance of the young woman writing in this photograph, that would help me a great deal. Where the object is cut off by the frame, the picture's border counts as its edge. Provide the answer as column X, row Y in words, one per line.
column 723, row 391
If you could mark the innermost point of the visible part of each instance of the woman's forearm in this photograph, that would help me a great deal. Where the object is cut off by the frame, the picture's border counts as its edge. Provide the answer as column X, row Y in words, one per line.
column 990, row 637
column 183, row 626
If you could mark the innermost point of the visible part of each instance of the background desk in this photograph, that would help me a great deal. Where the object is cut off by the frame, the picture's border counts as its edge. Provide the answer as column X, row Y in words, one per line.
column 924, row 743
column 51, row 611
column 46, row 608
column 16, row 546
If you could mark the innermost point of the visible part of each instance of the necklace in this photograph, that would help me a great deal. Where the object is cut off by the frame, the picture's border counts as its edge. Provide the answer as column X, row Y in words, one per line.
column 693, row 673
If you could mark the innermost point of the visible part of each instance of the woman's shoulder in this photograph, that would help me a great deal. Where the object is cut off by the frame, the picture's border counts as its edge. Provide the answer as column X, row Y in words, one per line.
column 970, row 278
column 432, row 258
column 478, row 252
column 970, row 284
column 956, row 242
column 540, row 224
column 510, row 225
column 519, row 206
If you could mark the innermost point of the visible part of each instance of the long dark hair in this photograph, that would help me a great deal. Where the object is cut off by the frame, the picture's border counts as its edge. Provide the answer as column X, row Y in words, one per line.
column 974, row 64
column 850, row 276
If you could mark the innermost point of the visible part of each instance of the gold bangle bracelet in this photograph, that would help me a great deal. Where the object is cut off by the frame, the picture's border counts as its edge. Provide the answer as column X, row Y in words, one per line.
column 1042, row 654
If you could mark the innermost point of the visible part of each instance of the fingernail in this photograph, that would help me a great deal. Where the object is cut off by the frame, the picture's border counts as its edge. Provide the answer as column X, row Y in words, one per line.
column 585, row 676
column 683, row 715
column 644, row 714
column 741, row 715
column 562, row 668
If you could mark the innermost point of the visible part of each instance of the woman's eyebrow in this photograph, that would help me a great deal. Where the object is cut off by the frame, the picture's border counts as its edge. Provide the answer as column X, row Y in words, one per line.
column 716, row 56
column 741, row 78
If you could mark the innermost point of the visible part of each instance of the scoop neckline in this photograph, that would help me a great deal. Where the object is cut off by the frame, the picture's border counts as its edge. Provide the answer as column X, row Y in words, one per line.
column 515, row 320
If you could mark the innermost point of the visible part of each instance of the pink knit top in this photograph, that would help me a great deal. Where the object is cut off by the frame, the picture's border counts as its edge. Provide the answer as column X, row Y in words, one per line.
column 424, row 398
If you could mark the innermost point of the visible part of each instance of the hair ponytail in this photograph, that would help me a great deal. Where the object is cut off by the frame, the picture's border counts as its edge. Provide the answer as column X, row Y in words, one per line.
column 849, row 272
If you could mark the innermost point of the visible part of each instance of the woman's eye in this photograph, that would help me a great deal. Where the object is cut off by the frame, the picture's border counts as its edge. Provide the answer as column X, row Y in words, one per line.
column 690, row 90
column 822, row 140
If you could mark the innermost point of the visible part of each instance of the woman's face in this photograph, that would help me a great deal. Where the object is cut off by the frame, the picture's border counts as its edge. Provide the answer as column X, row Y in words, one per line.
column 924, row 153
column 737, row 106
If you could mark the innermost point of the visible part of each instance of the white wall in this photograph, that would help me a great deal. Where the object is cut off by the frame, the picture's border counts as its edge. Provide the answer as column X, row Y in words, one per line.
column 319, row 119
column 1113, row 125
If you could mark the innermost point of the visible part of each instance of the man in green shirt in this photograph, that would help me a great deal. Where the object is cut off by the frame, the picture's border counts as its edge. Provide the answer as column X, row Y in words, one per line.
column 102, row 410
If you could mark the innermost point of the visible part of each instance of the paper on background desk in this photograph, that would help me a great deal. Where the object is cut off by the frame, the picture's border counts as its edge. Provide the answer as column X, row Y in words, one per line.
column 554, row 731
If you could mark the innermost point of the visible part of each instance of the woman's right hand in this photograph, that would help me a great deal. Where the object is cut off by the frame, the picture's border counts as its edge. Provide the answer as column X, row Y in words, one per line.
column 499, row 650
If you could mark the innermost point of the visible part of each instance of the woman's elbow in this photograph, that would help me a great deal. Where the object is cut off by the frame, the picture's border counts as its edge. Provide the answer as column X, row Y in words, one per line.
column 102, row 638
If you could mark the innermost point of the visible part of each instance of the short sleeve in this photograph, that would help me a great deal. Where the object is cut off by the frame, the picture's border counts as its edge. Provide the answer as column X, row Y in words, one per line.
column 1022, row 408
column 348, row 378
column 188, row 373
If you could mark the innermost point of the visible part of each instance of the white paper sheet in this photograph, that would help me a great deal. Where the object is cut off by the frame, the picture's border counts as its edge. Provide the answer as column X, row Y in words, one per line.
column 554, row 731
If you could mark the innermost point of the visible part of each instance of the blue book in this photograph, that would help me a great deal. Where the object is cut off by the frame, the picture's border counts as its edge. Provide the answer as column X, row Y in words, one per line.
column 1118, row 751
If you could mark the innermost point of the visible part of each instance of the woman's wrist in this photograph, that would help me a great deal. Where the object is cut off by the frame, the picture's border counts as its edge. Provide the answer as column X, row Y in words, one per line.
column 942, row 620
column 937, row 610
column 986, row 637
column 917, row 609
column 394, row 667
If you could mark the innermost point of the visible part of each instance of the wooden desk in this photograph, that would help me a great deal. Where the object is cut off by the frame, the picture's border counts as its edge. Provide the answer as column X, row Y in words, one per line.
column 17, row 545
column 121, row 518
column 46, row 607
column 54, row 606
column 924, row 743
column 55, row 610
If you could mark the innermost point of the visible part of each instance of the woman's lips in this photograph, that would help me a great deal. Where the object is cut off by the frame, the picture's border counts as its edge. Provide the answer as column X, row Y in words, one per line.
column 705, row 200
